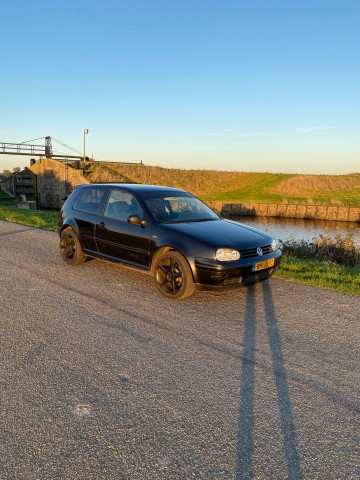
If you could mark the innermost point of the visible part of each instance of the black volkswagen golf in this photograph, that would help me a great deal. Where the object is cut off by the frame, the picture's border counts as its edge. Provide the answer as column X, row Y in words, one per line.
column 167, row 232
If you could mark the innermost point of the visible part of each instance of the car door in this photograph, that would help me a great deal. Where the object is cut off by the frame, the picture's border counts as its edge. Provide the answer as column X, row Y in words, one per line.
column 86, row 212
column 118, row 239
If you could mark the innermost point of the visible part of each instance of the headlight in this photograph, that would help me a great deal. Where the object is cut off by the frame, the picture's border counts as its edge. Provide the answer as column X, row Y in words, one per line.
column 227, row 255
column 274, row 245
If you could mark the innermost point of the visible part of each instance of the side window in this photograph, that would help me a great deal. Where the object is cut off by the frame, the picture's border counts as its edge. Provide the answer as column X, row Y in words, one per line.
column 89, row 200
column 121, row 204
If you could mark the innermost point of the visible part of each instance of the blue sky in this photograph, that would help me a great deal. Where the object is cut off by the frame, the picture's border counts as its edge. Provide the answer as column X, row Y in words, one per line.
column 255, row 85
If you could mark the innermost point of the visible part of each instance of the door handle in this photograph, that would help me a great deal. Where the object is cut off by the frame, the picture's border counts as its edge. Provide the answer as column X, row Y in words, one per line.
column 101, row 225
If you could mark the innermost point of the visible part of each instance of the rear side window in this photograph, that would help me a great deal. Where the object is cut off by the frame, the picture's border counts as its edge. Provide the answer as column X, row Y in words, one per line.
column 90, row 200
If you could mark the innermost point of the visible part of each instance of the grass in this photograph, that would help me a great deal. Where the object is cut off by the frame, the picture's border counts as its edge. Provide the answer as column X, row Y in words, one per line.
column 259, row 191
column 318, row 273
column 6, row 199
column 47, row 220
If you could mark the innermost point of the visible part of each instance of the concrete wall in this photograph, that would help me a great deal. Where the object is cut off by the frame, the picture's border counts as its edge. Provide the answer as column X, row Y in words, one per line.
column 21, row 185
column 55, row 182
column 316, row 212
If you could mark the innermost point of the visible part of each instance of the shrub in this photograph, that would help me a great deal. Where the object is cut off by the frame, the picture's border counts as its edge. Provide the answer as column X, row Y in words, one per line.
column 337, row 250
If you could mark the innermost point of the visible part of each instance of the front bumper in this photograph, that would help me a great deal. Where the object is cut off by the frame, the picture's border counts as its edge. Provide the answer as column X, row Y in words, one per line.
column 213, row 275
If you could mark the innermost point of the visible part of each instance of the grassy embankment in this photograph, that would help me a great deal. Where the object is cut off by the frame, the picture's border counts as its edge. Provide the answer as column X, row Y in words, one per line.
column 313, row 272
column 237, row 187
column 3, row 195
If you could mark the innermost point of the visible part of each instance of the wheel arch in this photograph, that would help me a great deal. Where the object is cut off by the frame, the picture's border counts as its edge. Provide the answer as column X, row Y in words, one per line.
column 168, row 248
column 71, row 224
column 159, row 251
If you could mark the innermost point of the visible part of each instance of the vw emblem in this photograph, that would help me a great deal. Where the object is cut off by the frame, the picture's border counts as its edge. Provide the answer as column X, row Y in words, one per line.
column 259, row 251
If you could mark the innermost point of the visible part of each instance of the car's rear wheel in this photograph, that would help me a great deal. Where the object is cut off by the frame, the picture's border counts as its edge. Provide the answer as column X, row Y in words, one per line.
column 70, row 247
column 173, row 275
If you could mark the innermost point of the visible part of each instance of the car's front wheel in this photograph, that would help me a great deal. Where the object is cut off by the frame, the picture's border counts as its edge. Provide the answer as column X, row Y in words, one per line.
column 70, row 247
column 173, row 275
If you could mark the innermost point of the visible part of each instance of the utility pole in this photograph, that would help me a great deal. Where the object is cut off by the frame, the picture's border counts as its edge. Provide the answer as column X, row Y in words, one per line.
column 86, row 131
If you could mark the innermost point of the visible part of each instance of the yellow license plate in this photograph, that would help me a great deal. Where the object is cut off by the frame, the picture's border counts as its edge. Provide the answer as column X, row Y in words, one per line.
column 264, row 264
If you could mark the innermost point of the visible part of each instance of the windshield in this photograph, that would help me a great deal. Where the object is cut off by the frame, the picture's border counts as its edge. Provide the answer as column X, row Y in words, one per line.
column 182, row 208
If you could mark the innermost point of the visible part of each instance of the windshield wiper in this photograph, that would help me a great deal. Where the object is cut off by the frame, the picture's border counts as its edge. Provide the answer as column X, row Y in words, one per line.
column 204, row 220
column 189, row 220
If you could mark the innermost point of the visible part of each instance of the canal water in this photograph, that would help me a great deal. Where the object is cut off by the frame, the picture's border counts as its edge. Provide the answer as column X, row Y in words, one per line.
column 301, row 229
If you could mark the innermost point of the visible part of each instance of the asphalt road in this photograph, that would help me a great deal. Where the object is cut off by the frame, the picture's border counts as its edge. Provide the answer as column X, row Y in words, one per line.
column 102, row 378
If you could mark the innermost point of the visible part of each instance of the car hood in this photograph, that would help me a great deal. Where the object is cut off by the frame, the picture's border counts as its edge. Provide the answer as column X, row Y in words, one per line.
column 222, row 233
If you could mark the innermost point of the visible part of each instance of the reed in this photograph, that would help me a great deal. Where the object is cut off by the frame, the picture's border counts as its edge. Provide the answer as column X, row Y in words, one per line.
column 339, row 250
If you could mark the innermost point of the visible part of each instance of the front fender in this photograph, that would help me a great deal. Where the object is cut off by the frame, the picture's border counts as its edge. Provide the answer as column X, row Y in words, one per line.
column 189, row 248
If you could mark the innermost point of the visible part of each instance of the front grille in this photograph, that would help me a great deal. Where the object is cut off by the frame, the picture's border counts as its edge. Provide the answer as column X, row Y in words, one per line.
column 251, row 252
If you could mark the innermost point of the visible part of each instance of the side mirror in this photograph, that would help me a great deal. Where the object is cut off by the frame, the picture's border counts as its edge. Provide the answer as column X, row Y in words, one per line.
column 136, row 220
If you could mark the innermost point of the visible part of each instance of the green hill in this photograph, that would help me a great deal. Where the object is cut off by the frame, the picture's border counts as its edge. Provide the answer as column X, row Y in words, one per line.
column 211, row 185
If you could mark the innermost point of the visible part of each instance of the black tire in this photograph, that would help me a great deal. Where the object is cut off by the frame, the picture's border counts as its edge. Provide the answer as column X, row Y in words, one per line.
column 173, row 275
column 70, row 248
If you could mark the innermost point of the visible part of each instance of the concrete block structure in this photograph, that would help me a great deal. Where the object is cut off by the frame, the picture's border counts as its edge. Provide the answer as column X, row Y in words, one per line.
column 46, row 182
column 55, row 181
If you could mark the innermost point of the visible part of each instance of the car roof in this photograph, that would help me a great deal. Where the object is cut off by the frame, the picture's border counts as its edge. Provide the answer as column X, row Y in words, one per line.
column 135, row 187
